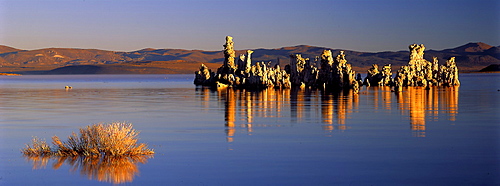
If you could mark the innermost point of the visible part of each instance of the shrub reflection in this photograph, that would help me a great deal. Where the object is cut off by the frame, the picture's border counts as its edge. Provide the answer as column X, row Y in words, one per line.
column 113, row 169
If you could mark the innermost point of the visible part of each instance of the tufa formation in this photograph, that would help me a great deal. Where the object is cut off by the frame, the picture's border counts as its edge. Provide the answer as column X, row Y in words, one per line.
column 418, row 72
column 244, row 74
column 325, row 72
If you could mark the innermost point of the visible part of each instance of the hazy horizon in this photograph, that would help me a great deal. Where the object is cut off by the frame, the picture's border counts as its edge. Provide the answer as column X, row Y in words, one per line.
column 369, row 26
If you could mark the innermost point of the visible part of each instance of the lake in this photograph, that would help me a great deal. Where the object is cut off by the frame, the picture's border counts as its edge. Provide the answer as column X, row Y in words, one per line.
column 441, row 136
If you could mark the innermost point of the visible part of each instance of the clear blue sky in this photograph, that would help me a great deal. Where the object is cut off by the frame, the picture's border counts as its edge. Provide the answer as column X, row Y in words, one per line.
column 362, row 25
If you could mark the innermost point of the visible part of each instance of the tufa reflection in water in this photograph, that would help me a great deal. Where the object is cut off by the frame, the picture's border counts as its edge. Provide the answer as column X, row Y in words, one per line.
column 113, row 169
column 419, row 103
column 243, row 106
column 333, row 109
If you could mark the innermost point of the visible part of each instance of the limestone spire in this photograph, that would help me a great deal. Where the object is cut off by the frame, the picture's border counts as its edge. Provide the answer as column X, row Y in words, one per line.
column 229, row 53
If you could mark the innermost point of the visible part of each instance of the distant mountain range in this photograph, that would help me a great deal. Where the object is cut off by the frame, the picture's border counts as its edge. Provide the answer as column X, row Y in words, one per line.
column 469, row 57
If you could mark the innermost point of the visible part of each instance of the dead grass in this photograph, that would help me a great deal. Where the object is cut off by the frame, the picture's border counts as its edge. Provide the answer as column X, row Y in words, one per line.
column 113, row 139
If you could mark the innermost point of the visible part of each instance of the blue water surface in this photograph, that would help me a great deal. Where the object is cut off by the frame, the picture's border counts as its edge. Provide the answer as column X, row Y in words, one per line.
column 441, row 136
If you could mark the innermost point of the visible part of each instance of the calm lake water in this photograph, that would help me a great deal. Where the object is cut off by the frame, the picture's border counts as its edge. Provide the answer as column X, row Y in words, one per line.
column 442, row 136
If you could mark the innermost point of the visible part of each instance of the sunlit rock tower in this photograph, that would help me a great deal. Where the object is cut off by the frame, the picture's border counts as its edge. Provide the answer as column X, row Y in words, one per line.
column 372, row 76
column 336, row 73
column 450, row 73
column 243, row 74
column 226, row 73
column 420, row 72
column 386, row 76
column 245, row 63
column 375, row 77
column 204, row 76
column 339, row 63
column 435, row 70
column 344, row 72
column 417, row 65
column 229, row 53
column 302, row 73
column 297, row 65
column 326, row 66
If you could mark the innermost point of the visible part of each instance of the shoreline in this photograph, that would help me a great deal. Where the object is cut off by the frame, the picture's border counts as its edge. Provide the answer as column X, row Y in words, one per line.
column 9, row 74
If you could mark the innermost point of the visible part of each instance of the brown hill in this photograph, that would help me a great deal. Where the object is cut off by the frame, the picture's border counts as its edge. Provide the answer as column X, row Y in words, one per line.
column 61, row 57
column 144, row 67
column 470, row 47
column 469, row 57
column 7, row 49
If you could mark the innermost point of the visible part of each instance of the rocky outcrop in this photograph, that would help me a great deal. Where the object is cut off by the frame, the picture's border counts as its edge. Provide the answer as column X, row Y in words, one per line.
column 302, row 72
column 336, row 73
column 333, row 74
column 204, row 76
column 449, row 73
column 330, row 74
column 420, row 72
column 374, row 77
column 243, row 74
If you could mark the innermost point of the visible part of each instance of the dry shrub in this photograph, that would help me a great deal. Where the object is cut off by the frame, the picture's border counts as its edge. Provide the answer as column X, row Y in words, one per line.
column 37, row 148
column 120, row 139
column 113, row 139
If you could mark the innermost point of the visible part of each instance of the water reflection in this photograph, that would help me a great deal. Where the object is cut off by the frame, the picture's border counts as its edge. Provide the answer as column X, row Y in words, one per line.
column 340, row 104
column 332, row 109
column 105, row 169
column 419, row 103
column 301, row 106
